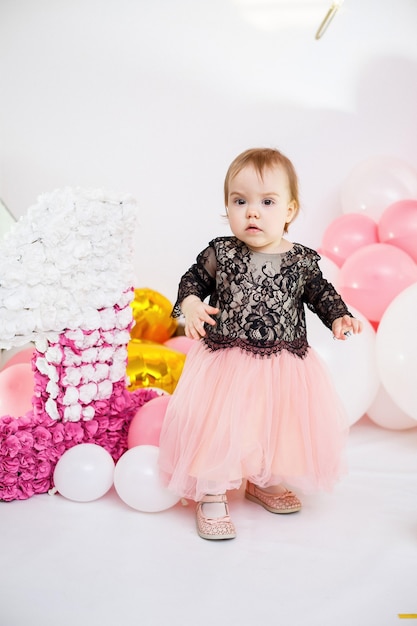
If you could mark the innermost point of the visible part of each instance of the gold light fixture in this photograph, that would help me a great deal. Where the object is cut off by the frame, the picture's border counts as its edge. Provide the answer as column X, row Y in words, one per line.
column 328, row 18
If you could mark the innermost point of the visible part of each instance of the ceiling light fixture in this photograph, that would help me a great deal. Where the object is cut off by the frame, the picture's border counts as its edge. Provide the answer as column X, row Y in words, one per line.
column 328, row 18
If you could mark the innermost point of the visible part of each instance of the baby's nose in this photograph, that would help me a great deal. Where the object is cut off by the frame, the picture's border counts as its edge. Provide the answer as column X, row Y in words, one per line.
column 252, row 210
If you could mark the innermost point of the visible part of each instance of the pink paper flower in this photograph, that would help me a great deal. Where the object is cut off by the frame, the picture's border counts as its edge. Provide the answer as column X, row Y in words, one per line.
column 8, row 426
column 43, row 470
column 26, row 490
column 8, row 479
column 91, row 428
column 10, row 465
column 25, row 438
column 13, row 492
column 58, row 433
column 41, row 437
column 41, row 485
column 10, row 446
column 74, row 432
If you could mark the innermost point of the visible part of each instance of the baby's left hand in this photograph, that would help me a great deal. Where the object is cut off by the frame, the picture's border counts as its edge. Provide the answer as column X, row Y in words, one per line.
column 346, row 324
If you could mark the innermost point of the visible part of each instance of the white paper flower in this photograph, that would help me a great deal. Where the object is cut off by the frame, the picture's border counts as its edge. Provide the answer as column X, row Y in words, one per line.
column 124, row 317
column 53, row 389
column 87, row 372
column 71, row 396
column 41, row 344
column 67, row 258
column 76, row 335
column 120, row 355
column 105, row 389
column 88, row 412
column 117, row 371
column 89, row 355
column 108, row 319
column 101, row 372
column 90, row 339
column 54, row 355
column 88, row 393
column 71, row 358
column 52, row 409
column 105, row 354
column 72, row 413
column 72, row 377
column 48, row 369
column 120, row 338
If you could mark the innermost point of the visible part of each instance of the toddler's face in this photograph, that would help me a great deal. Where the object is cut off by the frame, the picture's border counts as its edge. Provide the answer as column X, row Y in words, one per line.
column 260, row 208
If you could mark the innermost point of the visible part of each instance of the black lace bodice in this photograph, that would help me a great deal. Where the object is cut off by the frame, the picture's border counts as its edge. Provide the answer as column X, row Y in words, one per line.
column 261, row 296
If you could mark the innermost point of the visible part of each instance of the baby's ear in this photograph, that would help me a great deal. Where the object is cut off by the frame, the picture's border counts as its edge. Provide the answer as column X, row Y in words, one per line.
column 291, row 211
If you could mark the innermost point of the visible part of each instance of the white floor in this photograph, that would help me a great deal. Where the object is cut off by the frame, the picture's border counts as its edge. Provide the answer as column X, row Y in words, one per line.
column 349, row 558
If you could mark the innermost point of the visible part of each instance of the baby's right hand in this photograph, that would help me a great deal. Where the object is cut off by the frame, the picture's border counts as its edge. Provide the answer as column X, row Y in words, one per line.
column 197, row 313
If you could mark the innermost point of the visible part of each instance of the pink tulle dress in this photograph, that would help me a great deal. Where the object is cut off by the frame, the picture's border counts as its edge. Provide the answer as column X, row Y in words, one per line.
column 254, row 401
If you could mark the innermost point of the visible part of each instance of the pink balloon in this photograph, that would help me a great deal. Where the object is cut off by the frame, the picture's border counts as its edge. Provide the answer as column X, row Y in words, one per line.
column 24, row 356
column 373, row 276
column 145, row 427
column 180, row 343
column 346, row 234
column 398, row 226
column 16, row 390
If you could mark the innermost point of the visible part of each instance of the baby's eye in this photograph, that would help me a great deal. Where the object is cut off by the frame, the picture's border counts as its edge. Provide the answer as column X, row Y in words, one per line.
column 240, row 201
column 268, row 202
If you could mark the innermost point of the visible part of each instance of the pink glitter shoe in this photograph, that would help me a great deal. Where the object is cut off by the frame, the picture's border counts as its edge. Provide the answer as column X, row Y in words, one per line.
column 218, row 527
column 282, row 503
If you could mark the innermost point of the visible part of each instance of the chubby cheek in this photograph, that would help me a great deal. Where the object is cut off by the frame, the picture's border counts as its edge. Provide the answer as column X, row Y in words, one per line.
column 234, row 222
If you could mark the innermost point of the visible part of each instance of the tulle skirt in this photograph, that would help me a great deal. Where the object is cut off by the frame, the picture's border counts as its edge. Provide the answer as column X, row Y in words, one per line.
column 270, row 420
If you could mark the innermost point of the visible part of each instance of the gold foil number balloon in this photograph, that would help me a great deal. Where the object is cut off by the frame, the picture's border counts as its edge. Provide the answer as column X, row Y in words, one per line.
column 152, row 316
column 151, row 364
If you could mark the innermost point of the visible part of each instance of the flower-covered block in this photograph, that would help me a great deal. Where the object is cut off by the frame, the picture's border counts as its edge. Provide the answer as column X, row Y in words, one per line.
column 66, row 286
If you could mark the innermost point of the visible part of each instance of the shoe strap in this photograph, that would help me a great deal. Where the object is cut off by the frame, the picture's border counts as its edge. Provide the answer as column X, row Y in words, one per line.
column 257, row 491
column 221, row 498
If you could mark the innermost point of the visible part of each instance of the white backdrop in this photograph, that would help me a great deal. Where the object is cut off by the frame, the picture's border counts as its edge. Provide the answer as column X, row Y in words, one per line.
column 156, row 97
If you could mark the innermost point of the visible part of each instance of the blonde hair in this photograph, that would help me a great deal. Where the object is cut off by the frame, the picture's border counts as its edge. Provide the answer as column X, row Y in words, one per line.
column 262, row 159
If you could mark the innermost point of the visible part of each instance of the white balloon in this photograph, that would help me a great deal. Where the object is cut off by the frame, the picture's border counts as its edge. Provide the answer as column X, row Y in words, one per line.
column 384, row 412
column 375, row 183
column 351, row 363
column 84, row 472
column 137, row 482
column 396, row 350
column 330, row 271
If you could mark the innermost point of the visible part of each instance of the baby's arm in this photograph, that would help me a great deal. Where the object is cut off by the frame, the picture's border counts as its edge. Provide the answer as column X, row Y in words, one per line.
column 196, row 313
column 346, row 324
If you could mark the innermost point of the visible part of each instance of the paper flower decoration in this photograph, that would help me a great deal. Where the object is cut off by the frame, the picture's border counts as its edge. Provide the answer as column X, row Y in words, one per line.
column 67, row 285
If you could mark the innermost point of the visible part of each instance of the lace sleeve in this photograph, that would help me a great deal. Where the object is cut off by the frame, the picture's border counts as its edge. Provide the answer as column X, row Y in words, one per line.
column 322, row 298
column 199, row 280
